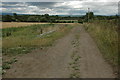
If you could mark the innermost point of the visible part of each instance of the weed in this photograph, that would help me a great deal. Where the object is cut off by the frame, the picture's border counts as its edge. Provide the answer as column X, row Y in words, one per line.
column 77, row 58
column 73, row 55
column 74, row 75
column 6, row 66
column 11, row 61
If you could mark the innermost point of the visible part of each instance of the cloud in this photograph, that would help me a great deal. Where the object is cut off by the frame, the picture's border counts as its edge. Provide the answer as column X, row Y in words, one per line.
column 59, row 0
column 99, row 7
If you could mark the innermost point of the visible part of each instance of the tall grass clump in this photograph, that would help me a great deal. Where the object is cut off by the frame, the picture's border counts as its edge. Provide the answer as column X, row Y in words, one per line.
column 24, row 39
column 105, row 34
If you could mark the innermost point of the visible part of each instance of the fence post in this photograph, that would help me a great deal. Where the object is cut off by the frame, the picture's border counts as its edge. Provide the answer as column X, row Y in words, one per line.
column 41, row 30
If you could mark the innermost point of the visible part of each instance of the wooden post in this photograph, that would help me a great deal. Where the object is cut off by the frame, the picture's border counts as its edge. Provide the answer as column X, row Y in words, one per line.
column 41, row 31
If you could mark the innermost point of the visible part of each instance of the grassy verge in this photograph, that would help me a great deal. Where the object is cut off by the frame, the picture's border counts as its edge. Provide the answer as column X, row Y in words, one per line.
column 24, row 39
column 105, row 34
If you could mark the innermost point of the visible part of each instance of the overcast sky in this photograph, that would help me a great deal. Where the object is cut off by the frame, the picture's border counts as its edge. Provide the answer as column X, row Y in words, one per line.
column 60, row 7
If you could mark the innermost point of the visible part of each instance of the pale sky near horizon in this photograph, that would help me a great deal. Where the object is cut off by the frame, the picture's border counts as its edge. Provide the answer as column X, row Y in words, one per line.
column 60, row 7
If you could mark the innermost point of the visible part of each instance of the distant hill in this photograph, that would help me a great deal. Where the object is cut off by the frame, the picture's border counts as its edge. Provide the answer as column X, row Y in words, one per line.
column 37, row 14
column 12, row 14
column 7, row 13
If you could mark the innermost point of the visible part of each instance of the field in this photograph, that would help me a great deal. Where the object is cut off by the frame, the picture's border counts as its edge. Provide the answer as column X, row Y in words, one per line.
column 22, row 24
column 16, row 24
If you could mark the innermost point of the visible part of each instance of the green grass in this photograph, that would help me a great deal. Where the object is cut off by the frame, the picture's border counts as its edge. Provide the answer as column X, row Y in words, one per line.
column 105, row 34
column 22, row 40
column 11, row 61
column 7, row 65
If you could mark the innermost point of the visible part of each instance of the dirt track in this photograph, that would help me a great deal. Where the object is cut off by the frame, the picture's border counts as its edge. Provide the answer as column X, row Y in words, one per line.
column 54, row 61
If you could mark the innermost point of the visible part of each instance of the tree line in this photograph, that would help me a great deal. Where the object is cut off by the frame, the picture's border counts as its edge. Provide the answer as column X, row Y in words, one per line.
column 54, row 19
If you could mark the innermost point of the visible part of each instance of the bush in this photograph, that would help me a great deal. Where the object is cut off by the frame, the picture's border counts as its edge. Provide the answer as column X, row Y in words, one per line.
column 80, row 22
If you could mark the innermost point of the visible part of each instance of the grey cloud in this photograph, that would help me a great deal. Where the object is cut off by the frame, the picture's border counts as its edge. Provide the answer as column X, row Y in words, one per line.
column 12, row 4
column 108, row 8
column 42, row 4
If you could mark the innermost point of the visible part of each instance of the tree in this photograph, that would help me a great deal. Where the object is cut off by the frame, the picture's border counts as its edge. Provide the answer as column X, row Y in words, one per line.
column 89, row 16
column 47, row 16
column 7, row 18
column 15, row 17
column 52, row 20
column 31, row 19
column 43, row 19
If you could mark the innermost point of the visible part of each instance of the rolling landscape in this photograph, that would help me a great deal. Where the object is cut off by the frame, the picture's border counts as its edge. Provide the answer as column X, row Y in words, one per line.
column 55, row 40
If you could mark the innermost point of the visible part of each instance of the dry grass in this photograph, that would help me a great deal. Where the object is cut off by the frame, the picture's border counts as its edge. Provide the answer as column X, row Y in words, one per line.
column 105, row 34
column 22, row 24
column 16, row 24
